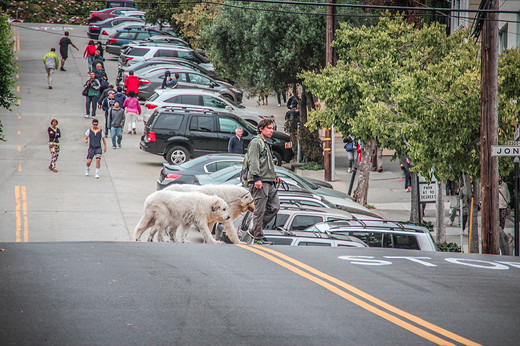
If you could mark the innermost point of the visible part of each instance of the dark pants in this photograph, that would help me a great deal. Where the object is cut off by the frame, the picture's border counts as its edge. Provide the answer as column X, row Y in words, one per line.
column 278, row 97
column 267, row 205
column 502, row 217
column 91, row 100
column 407, row 177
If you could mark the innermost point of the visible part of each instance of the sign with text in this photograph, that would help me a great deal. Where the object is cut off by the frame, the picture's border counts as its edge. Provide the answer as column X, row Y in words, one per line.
column 428, row 192
column 505, row 150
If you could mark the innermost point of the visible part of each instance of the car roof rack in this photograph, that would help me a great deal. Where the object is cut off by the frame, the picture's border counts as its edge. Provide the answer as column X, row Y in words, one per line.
column 376, row 224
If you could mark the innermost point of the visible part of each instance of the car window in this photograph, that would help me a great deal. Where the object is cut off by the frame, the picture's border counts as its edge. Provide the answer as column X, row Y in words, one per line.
column 210, row 101
column 277, row 221
column 332, row 219
column 153, row 97
column 301, row 202
column 169, row 121
column 313, row 243
column 175, row 99
column 217, row 166
column 142, row 35
column 190, row 100
column 187, row 55
column 198, row 79
column 227, row 125
column 301, row 222
column 405, row 241
column 372, row 239
column 280, row 241
column 126, row 35
column 202, row 123
column 137, row 51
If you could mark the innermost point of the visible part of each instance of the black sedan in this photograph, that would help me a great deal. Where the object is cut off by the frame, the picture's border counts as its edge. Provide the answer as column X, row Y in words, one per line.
column 184, row 173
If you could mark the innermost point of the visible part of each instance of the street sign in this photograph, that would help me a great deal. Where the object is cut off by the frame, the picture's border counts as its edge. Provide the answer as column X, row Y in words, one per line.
column 517, row 133
column 505, row 150
column 428, row 192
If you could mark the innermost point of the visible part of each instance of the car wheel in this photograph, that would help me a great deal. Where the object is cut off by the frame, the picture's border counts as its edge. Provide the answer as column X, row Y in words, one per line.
column 177, row 155
column 229, row 97
column 277, row 158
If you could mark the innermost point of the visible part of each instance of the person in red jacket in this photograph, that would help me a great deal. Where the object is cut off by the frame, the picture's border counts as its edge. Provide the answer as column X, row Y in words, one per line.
column 132, row 83
column 89, row 53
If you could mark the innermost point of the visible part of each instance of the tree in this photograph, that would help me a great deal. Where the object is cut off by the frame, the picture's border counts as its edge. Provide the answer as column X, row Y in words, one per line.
column 162, row 11
column 7, row 68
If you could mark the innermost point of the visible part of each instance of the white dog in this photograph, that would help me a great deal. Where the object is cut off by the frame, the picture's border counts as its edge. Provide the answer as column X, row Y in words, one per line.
column 238, row 198
column 170, row 211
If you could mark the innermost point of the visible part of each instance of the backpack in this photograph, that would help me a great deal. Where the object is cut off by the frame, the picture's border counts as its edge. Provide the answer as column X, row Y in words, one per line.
column 245, row 166
column 50, row 62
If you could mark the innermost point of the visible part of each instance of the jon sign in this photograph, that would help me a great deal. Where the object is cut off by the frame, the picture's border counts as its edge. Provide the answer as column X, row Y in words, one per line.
column 505, row 150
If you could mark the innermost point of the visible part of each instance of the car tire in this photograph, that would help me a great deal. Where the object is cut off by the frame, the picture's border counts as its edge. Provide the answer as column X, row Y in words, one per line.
column 277, row 158
column 229, row 97
column 177, row 155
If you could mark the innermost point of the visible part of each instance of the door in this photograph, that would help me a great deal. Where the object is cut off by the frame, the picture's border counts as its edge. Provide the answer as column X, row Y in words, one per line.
column 226, row 130
column 202, row 134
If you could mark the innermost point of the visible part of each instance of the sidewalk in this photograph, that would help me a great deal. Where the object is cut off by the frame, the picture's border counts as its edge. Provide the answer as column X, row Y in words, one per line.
column 386, row 190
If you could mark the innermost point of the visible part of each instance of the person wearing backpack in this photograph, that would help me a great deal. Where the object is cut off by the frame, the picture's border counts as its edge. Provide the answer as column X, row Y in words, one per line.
column 51, row 62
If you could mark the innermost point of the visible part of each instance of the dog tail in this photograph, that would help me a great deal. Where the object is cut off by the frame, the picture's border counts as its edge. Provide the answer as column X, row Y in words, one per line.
column 145, row 223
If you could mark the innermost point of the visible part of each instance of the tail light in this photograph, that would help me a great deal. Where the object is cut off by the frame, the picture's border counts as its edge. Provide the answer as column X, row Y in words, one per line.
column 127, row 59
column 150, row 106
column 144, row 81
column 112, row 41
column 94, row 28
column 151, row 136
column 172, row 176
column 104, row 32
column 288, row 145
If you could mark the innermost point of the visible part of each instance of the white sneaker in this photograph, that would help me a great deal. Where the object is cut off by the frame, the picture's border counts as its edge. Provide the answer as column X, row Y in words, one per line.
column 86, row 115
column 97, row 176
column 87, row 172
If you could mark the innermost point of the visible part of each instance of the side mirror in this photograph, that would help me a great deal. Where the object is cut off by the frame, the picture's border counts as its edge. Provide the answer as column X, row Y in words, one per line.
column 228, row 108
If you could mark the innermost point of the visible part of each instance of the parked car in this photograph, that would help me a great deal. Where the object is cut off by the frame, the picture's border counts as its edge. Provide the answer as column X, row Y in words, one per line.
column 94, row 29
column 128, row 4
column 140, row 52
column 199, row 98
column 125, row 36
column 122, row 72
column 231, row 175
column 312, row 240
column 97, row 16
column 179, row 134
column 105, row 33
column 133, row 13
column 152, row 78
column 379, row 233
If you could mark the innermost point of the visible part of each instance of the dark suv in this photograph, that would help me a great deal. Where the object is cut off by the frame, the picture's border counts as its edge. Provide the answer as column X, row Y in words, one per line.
column 181, row 133
column 125, row 36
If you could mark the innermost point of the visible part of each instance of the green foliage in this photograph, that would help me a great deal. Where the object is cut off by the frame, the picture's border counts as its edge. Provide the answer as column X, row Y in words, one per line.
column 54, row 11
column 312, row 166
column 310, row 143
column 448, row 247
column 192, row 22
column 7, row 68
column 163, row 11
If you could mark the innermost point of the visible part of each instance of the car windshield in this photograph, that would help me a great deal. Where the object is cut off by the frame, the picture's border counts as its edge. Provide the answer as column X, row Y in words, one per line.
column 285, row 173
column 201, row 57
column 246, row 125
column 225, row 172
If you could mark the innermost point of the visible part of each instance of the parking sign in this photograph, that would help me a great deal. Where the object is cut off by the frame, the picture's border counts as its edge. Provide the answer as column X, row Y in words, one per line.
column 428, row 192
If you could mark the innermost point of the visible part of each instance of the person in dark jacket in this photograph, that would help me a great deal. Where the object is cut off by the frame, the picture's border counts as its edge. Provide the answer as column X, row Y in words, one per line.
column 120, row 96
column 117, row 116
column 236, row 143
column 54, row 143
column 107, row 105
column 168, row 81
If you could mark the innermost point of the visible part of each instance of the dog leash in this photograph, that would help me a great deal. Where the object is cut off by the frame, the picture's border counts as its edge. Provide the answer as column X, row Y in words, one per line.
column 239, row 198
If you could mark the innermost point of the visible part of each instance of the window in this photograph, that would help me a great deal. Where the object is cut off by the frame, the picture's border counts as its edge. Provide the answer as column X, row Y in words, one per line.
column 169, row 121
column 280, row 241
column 277, row 221
column 126, row 35
column 372, row 239
column 405, row 241
column 217, row 166
column 313, row 243
column 210, row 101
column 142, row 35
column 202, row 123
column 191, row 100
column 198, row 79
column 502, row 39
column 138, row 51
column 175, row 99
column 301, row 222
column 227, row 125
column 165, row 52
column 187, row 56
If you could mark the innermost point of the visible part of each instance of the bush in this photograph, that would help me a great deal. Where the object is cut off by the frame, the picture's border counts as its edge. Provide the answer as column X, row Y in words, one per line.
column 53, row 11
column 312, row 166
column 448, row 247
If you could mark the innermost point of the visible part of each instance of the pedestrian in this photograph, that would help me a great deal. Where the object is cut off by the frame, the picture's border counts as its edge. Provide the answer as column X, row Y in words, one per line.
column 261, row 180
column 503, row 202
column 120, row 96
column 464, row 197
column 452, row 191
column 99, row 46
column 293, row 101
column 94, row 137
column 377, row 159
column 104, row 94
column 236, row 143
column 92, row 93
column 64, row 49
column 279, row 95
column 405, row 166
column 51, row 63
column 350, row 147
column 107, row 105
column 168, row 81
column 102, row 77
column 132, row 84
column 117, row 118
column 133, row 111
column 89, row 54
column 98, row 59
column 54, row 143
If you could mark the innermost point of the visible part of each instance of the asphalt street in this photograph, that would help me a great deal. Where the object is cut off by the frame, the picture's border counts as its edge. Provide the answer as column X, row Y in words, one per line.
column 71, row 276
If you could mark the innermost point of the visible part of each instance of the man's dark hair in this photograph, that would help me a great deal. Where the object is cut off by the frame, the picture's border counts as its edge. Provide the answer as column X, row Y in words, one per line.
column 119, row 89
column 264, row 122
column 95, row 121
column 66, row 33
column 53, row 49
column 176, row 76
column 131, row 93
column 131, row 73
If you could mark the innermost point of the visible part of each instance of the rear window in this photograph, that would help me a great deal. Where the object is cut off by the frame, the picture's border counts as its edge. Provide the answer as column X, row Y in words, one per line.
column 405, row 241
column 142, row 35
column 137, row 51
column 278, row 221
column 169, row 121
column 313, row 243
column 125, row 35
column 153, row 97
column 301, row 222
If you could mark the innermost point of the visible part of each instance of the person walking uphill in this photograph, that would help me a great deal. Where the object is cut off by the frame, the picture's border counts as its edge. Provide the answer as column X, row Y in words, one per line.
column 91, row 92
column 94, row 137
column 64, row 49
column 54, row 143
column 236, row 143
column 117, row 116
column 51, row 62
column 133, row 111
column 132, row 84
column 89, row 53
column 261, row 180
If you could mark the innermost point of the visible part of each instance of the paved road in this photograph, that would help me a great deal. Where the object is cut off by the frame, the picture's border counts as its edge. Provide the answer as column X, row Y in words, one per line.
column 127, row 293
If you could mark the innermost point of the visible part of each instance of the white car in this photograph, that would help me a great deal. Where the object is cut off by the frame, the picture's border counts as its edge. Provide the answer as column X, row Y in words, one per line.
column 106, row 33
column 198, row 98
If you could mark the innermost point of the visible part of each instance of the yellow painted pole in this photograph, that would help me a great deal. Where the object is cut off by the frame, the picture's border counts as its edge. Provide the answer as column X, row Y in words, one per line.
column 470, row 225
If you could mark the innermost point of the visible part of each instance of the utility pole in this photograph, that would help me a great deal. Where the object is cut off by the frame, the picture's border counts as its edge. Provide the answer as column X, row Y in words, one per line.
column 330, row 58
column 489, row 131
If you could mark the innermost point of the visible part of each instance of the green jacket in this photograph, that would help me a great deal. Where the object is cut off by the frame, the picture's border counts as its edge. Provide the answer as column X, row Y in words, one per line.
column 51, row 54
column 260, row 161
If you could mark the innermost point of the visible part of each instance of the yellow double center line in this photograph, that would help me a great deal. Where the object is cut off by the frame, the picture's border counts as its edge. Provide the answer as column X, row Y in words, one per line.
column 20, row 194
column 366, row 301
